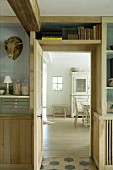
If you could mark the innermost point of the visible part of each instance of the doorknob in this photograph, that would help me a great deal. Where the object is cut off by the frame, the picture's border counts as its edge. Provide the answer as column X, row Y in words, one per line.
column 39, row 116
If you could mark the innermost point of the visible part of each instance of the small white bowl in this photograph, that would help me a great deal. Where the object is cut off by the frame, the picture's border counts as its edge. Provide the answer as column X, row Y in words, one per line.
column 1, row 92
column 74, row 69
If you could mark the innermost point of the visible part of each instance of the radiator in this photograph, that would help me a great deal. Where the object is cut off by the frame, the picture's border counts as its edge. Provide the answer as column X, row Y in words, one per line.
column 109, row 142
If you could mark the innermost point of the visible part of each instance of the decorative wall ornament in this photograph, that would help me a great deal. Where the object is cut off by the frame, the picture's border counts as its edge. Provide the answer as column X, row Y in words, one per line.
column 13, row 46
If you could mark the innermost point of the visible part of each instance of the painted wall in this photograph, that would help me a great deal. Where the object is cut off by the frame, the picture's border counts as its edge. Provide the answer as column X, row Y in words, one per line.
column 18, row 69
column 44, row 84
column 61, row 66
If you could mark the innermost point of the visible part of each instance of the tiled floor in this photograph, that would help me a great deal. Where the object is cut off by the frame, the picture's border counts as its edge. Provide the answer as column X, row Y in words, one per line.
column 68, row 163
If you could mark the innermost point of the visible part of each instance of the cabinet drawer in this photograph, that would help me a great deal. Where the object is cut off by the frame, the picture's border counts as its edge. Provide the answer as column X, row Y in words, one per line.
column 14, row 100
column 14, row 110
column 14, row 105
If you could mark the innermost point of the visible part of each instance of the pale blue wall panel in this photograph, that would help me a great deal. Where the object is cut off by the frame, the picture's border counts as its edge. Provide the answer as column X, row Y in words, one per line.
column 19, row 68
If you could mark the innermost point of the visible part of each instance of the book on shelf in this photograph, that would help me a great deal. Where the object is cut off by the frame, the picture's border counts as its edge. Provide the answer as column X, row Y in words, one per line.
column 69, row 33
column 91, row 33
column 82, row 32
column 72, row 36
column 88, row 33
column 52, row 33
column 94, row 32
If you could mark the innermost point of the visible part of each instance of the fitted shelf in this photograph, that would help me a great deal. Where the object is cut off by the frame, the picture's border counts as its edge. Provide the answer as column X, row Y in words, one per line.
column 109, row 70
column 109, row 51
column 109, row 116
column 86, row 30
column 68, row 42
column 108, row 88
column 109, row 54
column 13, row 96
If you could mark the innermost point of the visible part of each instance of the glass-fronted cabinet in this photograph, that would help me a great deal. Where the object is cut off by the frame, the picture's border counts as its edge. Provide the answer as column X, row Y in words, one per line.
column 80, row 83
column 109, row 70
column 14, row 74
column 80, row 89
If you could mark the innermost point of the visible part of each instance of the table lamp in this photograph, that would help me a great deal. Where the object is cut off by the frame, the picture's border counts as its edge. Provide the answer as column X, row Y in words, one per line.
column 7, row 80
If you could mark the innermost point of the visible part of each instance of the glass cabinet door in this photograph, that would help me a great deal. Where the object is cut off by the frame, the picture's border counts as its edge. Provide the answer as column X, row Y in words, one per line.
column 80, row 85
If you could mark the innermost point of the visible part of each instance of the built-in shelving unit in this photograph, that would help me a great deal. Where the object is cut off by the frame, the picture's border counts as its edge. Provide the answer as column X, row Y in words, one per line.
column 109, row 93
column 109, row 65
column 14, row 104
column 70, row 31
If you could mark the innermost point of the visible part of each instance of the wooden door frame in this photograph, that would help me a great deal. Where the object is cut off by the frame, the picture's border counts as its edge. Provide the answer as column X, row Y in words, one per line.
column 95, row 50
column 33, row 87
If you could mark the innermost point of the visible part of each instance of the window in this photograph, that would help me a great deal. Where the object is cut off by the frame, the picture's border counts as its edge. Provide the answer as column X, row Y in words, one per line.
column 57, row 83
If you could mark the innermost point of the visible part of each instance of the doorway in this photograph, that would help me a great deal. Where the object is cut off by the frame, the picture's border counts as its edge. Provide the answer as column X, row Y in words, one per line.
column 96, row 68
column 57, row 67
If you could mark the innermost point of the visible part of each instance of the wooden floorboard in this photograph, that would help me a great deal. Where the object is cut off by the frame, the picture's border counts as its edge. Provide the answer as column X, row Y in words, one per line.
column 64, row 139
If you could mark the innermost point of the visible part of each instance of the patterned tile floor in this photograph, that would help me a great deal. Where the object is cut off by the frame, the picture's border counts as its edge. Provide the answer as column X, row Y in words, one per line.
column 68, row 163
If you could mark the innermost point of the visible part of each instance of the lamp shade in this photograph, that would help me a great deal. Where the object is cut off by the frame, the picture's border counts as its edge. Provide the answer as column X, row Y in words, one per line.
column 7, row 79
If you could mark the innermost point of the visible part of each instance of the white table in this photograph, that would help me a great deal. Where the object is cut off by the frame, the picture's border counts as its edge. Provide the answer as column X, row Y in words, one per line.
column 86, row 117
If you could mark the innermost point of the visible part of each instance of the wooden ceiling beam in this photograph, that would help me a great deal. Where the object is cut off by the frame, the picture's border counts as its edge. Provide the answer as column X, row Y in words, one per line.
column 27, row 12
column 71, row 19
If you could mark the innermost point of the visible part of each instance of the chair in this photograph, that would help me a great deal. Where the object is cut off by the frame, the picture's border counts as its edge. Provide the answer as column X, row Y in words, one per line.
column 77, row 113
column 86, row 107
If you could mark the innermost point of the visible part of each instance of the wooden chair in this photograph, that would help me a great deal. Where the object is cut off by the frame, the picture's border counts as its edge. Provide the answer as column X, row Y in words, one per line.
column 77, row 113
column 86, row 108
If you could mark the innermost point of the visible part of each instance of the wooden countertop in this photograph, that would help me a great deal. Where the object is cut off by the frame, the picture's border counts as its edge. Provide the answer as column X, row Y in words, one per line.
column 13, row 96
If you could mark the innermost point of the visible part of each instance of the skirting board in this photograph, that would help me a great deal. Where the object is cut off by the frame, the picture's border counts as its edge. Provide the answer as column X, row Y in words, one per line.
column 96, row 162
column 108, row 167
column 16, row 166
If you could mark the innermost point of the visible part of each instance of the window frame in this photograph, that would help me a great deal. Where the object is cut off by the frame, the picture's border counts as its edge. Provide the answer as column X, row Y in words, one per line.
column 58, row 84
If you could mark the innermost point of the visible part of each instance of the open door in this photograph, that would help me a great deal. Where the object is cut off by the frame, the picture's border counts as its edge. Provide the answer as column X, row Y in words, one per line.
column 38, row 106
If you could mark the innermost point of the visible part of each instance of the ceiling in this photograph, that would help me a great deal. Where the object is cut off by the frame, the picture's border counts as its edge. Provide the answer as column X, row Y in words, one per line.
column 5, row 9
column 67, row 8
column 76, row 7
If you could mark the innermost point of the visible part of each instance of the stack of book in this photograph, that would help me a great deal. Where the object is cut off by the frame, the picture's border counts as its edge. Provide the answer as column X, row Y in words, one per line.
column 51, row 38
column 69, row 33
column 72, row 36
column 51, row 35
column 93, row 33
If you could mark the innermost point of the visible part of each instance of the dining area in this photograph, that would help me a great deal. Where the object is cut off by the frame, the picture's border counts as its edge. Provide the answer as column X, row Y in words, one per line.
column 84, row 113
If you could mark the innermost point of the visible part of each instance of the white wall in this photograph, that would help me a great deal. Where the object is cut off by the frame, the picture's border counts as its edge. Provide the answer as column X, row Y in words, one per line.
column 61, row 66
column 44, row 84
